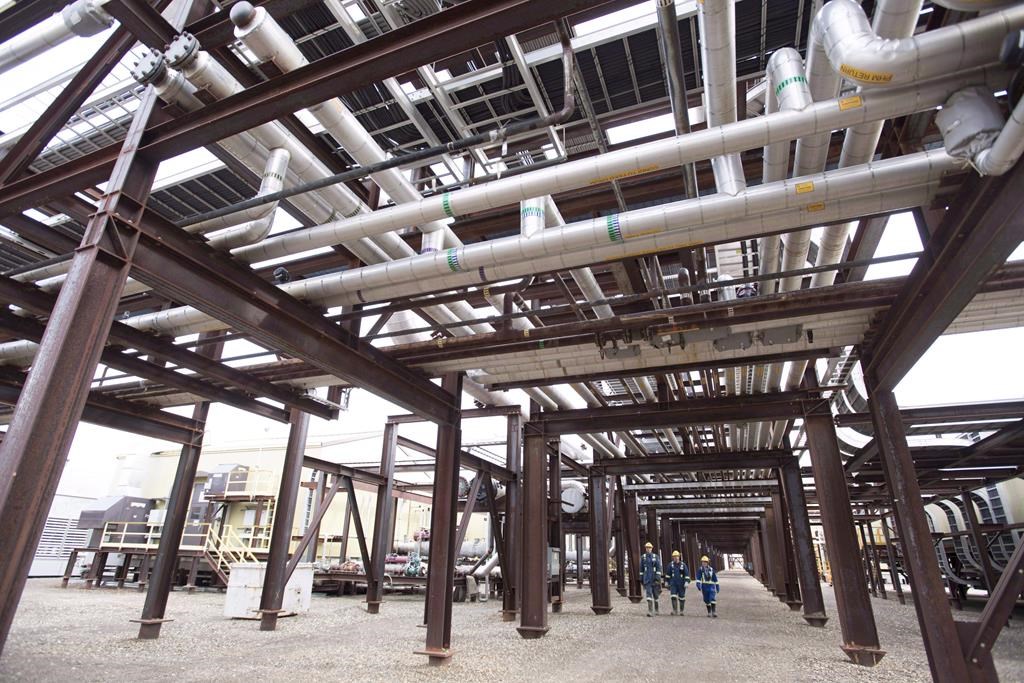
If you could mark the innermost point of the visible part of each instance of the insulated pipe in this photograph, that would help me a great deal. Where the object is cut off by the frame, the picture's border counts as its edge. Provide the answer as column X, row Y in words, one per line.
column 261, row 33
column 717, row 22
column 258, row 228
column 875, row 189
column 1007, row 148
column 861, row 56
column 272, row 181
column 973, row 5
column 894, row 19
column 668, row 153
column 80, row 18
column 668, row 37
column 173, row 87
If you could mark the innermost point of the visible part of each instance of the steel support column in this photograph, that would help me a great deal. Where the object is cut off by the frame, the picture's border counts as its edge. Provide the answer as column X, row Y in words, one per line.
column 381, row 544
column 979, row 542
column 513, row 520
column 533, row 586
column 630, row 523
column 174, row 521
column 556, row 539
column 37, row 441
column 866, row 559
column 653, row 536
column 276, row 575
column 810, row 584
column 942, row 643
column 792, row 598
column 599, row 536
column 776, row 550
column 890, row 551
column 853, row 604
column 441, row 570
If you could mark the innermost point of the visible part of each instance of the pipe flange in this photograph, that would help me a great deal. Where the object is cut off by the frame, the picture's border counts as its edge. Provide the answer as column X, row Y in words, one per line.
column 182, row 50
column 150, row 68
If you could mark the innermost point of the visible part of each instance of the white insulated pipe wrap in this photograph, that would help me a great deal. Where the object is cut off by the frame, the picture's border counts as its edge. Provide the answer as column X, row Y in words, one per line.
column 637, row 160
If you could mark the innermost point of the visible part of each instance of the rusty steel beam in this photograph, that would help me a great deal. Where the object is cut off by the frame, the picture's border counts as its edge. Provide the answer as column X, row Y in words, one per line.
column 181, row 266
column 556, row 535
column 810, row 584
column 983, row 226
column 533, row 584
column 166, row 562
column 978, row 638
column 114, row 413
column 276, row 575
column 381, row 544
column 452, row 31
column 670, row 464
column 964, row 412
column 36, row 444
column 74, row 94
column 41, row 303
column 441, row 570
column 26, row 328
column 24, row 15
column 978, row 536
column 510, row 582
column 143, row 21
column 938, row 629
column 308, row 542
column 700, row 411
column 853, row 604
column 466, row 459
column 600, row 534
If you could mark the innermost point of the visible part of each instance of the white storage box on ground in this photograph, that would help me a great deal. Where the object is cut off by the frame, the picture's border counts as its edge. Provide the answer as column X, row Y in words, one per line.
column 245, row 586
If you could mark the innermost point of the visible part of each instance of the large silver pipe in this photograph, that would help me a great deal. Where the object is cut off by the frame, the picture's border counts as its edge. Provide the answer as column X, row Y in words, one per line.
column 80, row 18
column 668, row 37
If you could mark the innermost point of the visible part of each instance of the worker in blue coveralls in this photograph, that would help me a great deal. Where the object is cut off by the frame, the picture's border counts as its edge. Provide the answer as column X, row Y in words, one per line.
column 677, row 574
column 707, row 584
column 650, row 577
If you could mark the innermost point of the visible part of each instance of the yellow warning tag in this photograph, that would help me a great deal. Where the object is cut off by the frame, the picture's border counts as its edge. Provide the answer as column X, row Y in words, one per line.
column 852, row 102
column 865, row 76
column 804, row 188
column 817, row 206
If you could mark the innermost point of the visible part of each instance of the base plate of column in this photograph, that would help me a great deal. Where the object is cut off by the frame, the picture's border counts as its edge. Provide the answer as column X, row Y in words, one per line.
column 635, row 598
column 794, row 605
column 865, row 656
column 530, row 632
column 509, row 614
column 373, row 606
column 149, row 629
column 599, row 609
column 818, row 620
column 436, row 657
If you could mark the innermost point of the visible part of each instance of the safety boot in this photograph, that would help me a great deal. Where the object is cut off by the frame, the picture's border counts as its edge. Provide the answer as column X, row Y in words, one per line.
column 650, row 607
column 709, row 610
column 656, row 605
column 682, row 605
column 675, row 605
column 714, row 610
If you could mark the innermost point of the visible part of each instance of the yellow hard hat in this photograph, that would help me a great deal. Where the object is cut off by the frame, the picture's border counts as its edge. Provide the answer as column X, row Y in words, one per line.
column 648, row 545
column 675, row 553
column 704, row 558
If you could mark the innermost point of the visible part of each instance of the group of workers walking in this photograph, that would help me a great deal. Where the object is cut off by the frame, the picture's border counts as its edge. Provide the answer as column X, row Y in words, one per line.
column 677, row 575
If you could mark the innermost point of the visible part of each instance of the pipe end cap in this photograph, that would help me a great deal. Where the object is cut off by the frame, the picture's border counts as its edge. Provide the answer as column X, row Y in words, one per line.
column 242, row 13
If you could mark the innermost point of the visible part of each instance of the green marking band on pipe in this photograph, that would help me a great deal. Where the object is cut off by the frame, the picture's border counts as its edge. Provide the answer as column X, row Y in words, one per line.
column 453, row 260
column 446, row 204
column 614, row 231
column 789, row 81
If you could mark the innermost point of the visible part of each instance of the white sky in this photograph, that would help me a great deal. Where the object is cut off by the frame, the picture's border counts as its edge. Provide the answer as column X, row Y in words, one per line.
column 958, row 368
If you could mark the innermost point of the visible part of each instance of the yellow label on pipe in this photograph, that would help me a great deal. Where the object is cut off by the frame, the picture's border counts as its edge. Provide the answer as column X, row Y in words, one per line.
column 851, row 102
column 655, row 250
column 644, row 233
column 865, row 76
column 804, row 188
column 625, row 174
column 817, row 206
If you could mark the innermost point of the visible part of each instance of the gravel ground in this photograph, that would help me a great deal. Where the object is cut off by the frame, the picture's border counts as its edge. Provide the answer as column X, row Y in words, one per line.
column 82, row 635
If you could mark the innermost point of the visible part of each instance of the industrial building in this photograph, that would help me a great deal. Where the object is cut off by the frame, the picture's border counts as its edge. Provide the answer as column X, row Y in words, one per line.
column 487, row 294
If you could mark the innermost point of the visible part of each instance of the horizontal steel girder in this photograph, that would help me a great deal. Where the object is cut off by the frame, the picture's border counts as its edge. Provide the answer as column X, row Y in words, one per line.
column 669, row 464
column 698, row 411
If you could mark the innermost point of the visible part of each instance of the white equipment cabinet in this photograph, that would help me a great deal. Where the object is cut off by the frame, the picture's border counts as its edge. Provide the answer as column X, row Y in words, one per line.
column 245, row 586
